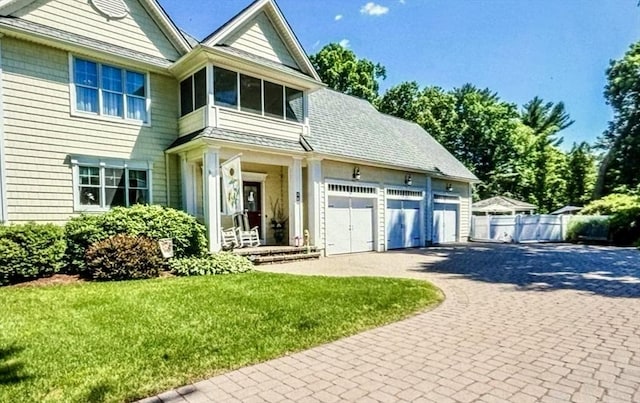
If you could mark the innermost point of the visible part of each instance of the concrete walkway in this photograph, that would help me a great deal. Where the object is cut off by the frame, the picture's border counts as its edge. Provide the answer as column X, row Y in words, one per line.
column 551, row 323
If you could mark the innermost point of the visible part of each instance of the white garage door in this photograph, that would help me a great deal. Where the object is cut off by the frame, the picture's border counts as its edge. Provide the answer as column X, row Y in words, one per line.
column 445, row 222
column 349, row 225
column 403, row 224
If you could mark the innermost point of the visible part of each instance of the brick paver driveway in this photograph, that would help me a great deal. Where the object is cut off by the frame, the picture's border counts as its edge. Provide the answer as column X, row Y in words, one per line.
column 520, row 323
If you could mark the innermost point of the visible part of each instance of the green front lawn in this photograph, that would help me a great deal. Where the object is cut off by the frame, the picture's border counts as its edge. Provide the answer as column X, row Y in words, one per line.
column 120, row 341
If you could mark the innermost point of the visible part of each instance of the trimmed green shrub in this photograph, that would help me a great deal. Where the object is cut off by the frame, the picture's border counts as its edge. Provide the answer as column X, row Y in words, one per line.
column 30, row 251
column 611, row 204
column 124, row 257
column 81, row 232
column 154, row 222
column 624, row 210
column 594, row 228
column 219, row 263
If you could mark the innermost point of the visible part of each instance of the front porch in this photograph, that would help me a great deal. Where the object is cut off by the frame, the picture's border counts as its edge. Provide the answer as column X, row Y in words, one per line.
column 274, row 194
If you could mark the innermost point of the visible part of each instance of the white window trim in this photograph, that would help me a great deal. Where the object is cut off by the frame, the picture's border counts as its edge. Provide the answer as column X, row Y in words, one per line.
column 238, row 107
column 99, row 116
column 102, row 163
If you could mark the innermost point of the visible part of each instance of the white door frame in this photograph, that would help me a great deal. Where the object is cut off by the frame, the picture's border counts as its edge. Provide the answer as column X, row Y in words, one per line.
column 447, row 198
column 410, row 194
column 350, row 189
column 262, row 179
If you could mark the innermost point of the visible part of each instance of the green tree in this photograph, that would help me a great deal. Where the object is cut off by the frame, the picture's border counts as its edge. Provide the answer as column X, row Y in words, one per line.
column 341, row 70
column 546, row 119
column 619, row 168
column 581, row 174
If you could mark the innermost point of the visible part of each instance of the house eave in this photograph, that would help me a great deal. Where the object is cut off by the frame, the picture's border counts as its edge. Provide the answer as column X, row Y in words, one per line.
column 46, row 40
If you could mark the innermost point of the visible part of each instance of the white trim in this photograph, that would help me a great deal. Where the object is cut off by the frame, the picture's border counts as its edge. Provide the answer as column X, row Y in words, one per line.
column 102, row 163
column 99, row 115
column 314, row 186
column 211, row 184
column 262, row 180
column 288, row 37
column 448, row 198
column 4, row 216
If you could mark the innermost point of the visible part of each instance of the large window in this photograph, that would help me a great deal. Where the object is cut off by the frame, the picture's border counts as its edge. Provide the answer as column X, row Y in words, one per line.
column 110, row 91
column 225, row 84
column 253, row 95
column 250, row 94
column 193, row 92
column 104, row 184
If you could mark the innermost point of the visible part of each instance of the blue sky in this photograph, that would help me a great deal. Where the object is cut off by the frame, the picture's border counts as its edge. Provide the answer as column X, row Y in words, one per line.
column 556, row 49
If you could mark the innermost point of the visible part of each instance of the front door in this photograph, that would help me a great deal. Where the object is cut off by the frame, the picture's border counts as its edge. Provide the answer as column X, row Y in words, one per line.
column 253, row 204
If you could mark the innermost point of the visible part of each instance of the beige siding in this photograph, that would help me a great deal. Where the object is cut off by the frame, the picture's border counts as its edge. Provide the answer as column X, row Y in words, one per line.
column 192, row 122
column 259, row 37
column 136, row 31
column 460, row 189
column 249, row 123
column 41, row 134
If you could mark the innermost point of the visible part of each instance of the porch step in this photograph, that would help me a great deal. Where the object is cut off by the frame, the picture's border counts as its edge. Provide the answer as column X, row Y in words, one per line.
column 278, row 254
column 285, row 258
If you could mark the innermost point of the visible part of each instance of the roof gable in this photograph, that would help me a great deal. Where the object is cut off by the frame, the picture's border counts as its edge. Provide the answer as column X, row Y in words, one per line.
column 139, row 25
column 262, row 30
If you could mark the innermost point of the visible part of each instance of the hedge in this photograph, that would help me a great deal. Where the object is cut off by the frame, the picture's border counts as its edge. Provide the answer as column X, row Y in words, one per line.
column 218, row 263
column 30, row 251
column 154, row 222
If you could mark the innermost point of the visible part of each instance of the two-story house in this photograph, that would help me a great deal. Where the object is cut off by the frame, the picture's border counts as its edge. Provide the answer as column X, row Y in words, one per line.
column 107, row 103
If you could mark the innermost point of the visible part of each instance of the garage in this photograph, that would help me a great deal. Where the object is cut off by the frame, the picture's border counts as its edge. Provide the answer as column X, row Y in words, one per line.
column 403, row 219
column 350, row 223
column 445, row 219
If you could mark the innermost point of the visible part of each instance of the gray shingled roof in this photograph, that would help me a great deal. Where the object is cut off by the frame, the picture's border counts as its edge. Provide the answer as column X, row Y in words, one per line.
column 347, row 126
column 505, row 202
column 239, row 137
column 39, row 29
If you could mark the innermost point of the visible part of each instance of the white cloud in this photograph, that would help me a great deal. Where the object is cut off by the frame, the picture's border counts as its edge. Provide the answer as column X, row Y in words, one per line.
column 344, row 43
column 372, row 8
column 402, row 2
column 338, row 17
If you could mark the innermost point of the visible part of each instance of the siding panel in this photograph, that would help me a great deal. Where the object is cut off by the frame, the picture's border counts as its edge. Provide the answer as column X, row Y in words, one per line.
column 136, row 31
column 245, row 122
column 260, row 38
column 41, row 134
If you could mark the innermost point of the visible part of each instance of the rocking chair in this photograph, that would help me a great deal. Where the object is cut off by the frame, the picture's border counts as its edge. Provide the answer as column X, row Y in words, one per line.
column 229, row 239
column 247, row 236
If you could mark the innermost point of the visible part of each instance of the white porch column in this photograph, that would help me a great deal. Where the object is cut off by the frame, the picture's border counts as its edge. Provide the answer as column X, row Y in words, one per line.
column 314, row 181
column 295, row 200
column 186, row 185
column 429, row 212
column 211, row 183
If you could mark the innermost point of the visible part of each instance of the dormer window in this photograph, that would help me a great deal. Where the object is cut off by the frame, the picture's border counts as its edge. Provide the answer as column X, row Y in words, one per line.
column 109, row 91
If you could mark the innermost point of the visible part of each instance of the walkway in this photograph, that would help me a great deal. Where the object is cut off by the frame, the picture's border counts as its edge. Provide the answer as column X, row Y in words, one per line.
column 521, row 323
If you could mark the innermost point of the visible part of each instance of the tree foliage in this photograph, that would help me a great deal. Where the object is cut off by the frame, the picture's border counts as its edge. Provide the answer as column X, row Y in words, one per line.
column 581, row 174
column 341, row 70
column 514, row 153
column 621, row 140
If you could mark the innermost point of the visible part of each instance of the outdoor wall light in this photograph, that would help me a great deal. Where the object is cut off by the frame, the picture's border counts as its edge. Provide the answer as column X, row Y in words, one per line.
column 356, row 173
column 449, row 187
column 408, row 180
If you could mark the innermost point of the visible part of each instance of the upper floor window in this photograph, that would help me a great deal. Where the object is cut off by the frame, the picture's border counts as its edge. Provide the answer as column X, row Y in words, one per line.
column 193, row 92
column 110, row 91
column 254, row 95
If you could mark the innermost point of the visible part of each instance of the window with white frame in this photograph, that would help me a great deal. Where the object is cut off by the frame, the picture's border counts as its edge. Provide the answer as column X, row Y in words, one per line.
column 257, row 96
column 110, row 91
column 102, row 184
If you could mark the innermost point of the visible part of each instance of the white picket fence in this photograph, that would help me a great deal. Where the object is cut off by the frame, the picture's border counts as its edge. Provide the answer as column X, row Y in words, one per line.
column 519, row 228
